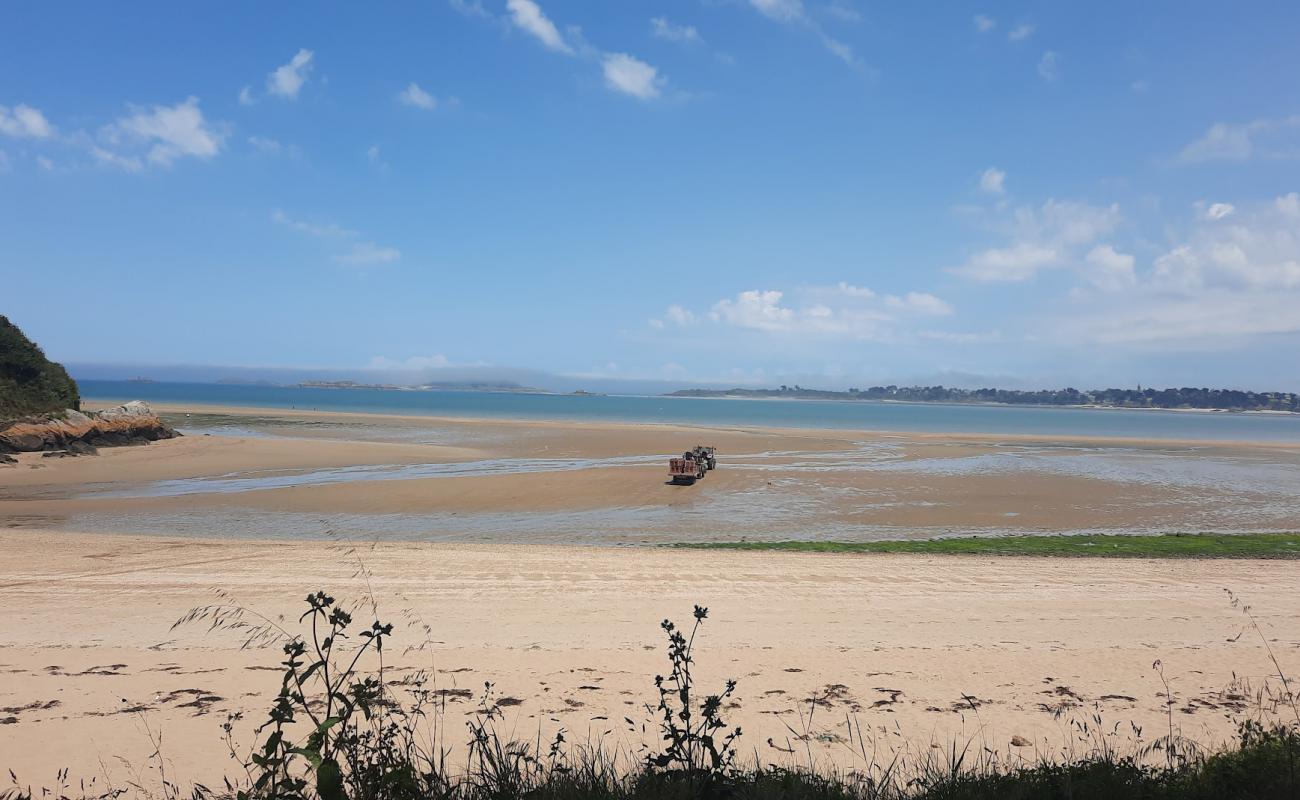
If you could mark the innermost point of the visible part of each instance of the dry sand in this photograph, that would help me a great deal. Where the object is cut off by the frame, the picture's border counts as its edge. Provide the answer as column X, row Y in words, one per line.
column 915, row 648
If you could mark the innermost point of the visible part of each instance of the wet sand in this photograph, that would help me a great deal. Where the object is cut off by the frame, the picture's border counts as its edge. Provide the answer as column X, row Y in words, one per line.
column 270, row 473
column 914, row 649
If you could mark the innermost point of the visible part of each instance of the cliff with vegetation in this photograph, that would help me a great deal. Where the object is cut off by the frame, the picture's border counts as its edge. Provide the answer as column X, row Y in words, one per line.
column 29, row 382
column 40, row 407
column 1189, row 398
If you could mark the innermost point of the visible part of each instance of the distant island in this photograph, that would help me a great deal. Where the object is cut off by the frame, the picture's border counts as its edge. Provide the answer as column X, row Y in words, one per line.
column 1185, row 398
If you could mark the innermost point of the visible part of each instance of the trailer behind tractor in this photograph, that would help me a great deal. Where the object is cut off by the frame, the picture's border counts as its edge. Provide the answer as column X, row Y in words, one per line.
column 693, row 465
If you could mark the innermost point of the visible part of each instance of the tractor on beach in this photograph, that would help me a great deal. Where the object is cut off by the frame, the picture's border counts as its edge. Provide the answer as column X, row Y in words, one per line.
column 693, row 465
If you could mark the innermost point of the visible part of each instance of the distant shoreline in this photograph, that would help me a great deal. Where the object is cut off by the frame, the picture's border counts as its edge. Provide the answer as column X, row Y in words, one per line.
column 976, row 403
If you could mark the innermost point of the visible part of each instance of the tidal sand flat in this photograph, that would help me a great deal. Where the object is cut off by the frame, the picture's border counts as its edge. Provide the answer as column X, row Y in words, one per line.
column 267, row 473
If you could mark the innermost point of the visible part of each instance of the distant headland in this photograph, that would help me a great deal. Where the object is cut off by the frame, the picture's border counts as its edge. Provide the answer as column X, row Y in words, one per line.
column 1172, row 399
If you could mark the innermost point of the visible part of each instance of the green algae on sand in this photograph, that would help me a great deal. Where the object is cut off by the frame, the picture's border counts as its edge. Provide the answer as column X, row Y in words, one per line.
column 1174, row 545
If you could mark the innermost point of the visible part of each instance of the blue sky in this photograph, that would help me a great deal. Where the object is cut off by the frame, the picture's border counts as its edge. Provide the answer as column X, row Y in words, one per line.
column 726, row 191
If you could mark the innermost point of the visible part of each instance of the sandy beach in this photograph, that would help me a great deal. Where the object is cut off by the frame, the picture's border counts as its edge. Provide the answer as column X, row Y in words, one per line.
column 499, row 537
column 914, row 649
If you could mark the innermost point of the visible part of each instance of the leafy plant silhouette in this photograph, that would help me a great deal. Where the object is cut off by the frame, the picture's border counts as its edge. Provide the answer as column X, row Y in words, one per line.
column 696, row 743
column 310, row 665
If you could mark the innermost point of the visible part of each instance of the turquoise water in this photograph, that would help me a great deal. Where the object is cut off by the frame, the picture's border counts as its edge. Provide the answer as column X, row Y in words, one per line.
column 723, row 412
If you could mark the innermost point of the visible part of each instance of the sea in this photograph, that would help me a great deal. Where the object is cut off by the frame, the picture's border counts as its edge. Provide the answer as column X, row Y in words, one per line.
column 725, row 412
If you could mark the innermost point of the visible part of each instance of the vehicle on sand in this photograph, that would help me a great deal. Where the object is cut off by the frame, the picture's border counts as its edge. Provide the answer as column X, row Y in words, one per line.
column 693, row 465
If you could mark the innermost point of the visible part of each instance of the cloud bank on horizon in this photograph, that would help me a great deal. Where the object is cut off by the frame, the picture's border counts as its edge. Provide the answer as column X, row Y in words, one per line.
column 718, row 192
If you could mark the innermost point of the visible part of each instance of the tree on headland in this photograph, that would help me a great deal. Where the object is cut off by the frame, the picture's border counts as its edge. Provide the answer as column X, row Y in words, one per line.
column 29, row 382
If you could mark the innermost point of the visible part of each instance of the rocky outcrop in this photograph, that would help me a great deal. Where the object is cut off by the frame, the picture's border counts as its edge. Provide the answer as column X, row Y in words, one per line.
column 79, row 433
column 29, row 382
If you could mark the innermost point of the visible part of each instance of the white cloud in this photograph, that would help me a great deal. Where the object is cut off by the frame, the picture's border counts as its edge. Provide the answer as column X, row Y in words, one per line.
column 1048, row 68
column 1239, row 142
column 1222, row 141
column 629, row 75
column 246, row 96
column 359, row 253
column 111, row 159
column 843, row 311
column 1139, row 87
column 622, row 72
column 838, row 49
column 1019, row 262
column 1109, row 269
column 365, row 253
column 23, row 121
column 675, row 315
column 1020, row 33
column 1055, row 221
column 920, row 302
column 792, row 12
column 756, row 309
column 470, row 8
column 1259, row 250
column 849, row 290
column 166, row 133
column 1219, row 211
column 984, row 24
column 679, row 315
column 1040, row 237
column 416, row 97
column 664, row 29
column 1230, row 277
column 319, row 230
column 780, row 10
column 843, row 10
column 265, row 145
column 1066, row 221
column 45, row 163
column 528, row 16
column 991, row 181
column 286, row 80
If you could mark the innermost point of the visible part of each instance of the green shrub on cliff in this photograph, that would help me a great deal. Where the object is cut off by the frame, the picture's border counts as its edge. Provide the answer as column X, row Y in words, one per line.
column 29, row 382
